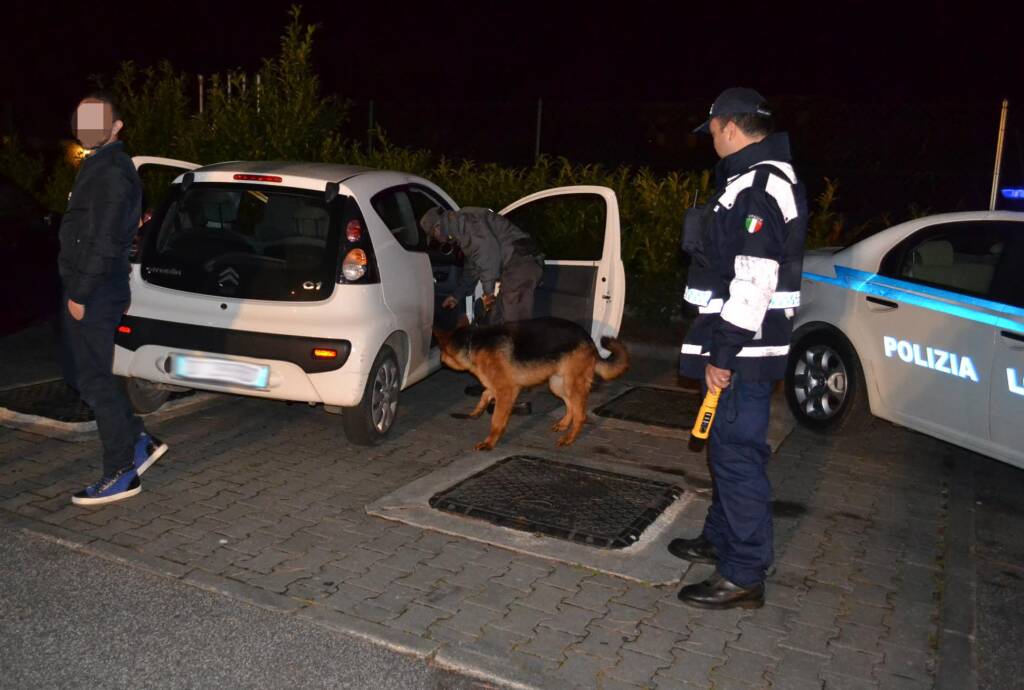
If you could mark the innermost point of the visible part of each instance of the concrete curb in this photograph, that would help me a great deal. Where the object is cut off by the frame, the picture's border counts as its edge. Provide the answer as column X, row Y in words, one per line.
column 81, row 431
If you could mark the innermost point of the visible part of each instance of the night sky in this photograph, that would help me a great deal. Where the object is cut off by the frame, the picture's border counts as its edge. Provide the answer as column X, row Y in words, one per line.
column 516, row 51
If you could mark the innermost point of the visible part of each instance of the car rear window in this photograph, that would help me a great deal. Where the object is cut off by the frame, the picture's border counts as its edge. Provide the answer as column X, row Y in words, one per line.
column 247, row 241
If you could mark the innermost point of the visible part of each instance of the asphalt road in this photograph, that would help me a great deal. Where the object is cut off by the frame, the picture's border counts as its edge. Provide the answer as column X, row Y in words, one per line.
column 70, row 620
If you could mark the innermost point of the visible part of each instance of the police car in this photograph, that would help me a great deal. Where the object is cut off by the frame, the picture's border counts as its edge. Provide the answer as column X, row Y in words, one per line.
column 921, row 324
column 312, row 282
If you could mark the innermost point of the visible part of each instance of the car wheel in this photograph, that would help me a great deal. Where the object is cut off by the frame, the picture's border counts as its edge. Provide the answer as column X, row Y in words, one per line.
column 825, row 384
column 369, row 422
column 145, row 396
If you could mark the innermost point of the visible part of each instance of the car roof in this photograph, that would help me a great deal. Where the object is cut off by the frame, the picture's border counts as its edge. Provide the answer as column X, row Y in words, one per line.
column 328, row 172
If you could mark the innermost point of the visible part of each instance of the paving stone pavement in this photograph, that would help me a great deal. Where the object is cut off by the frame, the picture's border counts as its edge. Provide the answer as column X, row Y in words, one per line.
column 264, row 502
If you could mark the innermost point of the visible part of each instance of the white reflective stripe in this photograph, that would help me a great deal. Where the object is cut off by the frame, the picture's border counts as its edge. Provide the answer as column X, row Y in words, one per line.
column 782, row 191
column 780, row 300
column 712, row 307
column 760, row 351
column 750, row 291
column 698, row 297
column 785, row 168
column 735, row 186
column 785, row 300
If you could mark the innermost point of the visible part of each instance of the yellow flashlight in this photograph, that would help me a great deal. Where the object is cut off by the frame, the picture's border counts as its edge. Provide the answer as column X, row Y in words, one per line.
column 702, row 425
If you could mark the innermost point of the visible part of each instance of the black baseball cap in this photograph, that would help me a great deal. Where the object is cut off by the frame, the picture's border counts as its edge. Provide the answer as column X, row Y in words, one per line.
column 736, row 101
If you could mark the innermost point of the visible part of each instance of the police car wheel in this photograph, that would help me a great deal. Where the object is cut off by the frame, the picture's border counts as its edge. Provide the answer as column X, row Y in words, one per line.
column 825, row 384
column 368, row 423
column 146, row 396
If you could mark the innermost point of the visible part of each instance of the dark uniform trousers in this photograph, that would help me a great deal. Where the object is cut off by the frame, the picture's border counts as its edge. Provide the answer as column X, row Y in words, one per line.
column 91, row 342
column 739, row 522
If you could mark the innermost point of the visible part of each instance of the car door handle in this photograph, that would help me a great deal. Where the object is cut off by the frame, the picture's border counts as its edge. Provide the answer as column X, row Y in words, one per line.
column 1012, row 336
column 883, row 302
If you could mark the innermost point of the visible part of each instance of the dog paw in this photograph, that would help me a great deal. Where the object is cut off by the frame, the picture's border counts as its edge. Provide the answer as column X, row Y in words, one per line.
column 484, row 445
column 564, row 441
column 559, row 427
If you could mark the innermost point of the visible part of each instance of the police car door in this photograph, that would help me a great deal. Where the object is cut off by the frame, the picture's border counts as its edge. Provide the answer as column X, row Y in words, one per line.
column 929, row 315
column 1007, row 401
column 578, row 230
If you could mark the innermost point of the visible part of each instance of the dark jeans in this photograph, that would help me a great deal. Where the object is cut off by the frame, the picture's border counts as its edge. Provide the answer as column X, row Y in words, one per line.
column 91, row 342
column 739, row 521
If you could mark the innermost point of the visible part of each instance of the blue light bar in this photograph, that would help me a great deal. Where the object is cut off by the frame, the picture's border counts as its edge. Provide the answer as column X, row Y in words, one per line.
column 1013, row 193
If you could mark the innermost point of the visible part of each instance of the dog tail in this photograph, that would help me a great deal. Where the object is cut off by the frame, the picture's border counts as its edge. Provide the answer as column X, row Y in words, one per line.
column 616, row 365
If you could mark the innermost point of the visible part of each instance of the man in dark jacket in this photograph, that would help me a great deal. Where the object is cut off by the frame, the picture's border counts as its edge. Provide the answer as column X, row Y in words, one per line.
column 495, row 250
column 747, row 249
column 95, row 236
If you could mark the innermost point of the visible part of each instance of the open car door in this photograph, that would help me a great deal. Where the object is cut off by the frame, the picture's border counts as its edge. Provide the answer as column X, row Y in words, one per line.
column 578, row 230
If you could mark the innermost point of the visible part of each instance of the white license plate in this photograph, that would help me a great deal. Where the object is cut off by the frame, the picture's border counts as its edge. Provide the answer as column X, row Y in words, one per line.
column 220, row 371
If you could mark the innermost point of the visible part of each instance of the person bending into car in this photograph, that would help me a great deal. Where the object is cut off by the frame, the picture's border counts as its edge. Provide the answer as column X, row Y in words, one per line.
column 95, row 236
column 746, row 246
column 495, row 250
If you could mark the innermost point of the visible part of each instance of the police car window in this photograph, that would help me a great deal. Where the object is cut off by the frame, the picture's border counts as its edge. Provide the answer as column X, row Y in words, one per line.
column 962, row 257
column 567, row 226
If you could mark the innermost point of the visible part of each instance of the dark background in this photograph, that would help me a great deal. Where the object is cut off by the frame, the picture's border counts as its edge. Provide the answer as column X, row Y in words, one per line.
column 899, row 103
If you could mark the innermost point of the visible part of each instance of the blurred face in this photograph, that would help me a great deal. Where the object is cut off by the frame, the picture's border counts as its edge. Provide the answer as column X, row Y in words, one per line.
column 94, row 124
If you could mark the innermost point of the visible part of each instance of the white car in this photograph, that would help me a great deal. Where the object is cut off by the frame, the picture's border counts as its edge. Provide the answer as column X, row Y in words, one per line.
column 923, row 325
column 313, row 283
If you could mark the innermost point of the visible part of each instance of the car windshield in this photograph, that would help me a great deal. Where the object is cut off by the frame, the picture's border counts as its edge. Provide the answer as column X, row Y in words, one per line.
column 246, row 241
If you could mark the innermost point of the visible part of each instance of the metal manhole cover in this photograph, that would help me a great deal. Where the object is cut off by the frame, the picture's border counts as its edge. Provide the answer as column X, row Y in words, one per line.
column 53, row 400
column 656, row 406
column 571, row 502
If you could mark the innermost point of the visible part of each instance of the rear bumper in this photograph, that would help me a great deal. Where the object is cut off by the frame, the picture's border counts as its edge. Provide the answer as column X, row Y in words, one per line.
column 294, row 374
column 297, row 350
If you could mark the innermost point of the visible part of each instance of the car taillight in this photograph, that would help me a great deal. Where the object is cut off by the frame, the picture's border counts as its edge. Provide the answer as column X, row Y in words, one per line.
column 325, row 353
column 353, row 267
column 257, row 178
column 354, row 230
column 127, row 330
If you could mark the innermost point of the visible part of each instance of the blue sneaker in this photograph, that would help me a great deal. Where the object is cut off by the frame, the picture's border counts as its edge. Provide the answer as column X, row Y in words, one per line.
column 124, row 484
column 148, row 450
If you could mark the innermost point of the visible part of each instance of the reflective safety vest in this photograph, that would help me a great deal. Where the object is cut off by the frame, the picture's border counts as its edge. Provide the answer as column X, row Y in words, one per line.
column 747, row 248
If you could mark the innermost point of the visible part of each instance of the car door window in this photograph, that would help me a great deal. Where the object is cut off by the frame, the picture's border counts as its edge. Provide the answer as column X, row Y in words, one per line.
column 962, row 257
column 569, row 226
column 401, row 208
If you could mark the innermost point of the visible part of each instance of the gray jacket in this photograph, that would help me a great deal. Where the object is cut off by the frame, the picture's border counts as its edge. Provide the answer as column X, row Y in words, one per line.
column 491, row 243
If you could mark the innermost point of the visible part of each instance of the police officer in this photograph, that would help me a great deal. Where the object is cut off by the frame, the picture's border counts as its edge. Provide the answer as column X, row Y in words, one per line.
column 495, row 250
column 746, row 247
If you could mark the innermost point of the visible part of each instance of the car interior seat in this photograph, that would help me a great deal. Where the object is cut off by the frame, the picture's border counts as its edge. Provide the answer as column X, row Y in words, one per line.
column 936, row 262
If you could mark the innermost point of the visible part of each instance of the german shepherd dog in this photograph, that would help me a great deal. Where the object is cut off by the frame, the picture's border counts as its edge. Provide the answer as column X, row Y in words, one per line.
column 519, row 354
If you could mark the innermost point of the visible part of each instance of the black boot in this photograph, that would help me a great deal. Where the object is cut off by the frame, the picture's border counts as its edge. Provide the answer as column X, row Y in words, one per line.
column 718, row 593
column 698, row 550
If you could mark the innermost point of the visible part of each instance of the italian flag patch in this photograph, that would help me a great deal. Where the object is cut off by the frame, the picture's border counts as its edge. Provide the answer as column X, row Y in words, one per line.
column 753, row 223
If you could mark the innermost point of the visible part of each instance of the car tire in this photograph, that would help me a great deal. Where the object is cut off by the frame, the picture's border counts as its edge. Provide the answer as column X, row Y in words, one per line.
column 145, row 396
column 369, row 422
column 825, row 385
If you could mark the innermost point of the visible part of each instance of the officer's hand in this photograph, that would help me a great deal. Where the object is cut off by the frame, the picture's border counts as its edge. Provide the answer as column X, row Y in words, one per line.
column 76, row 310
column 449, row 302
column 488, row 301
column 716, row 379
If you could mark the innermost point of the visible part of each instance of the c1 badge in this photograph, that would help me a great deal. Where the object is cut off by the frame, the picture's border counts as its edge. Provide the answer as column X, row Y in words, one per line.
column 753, row 223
